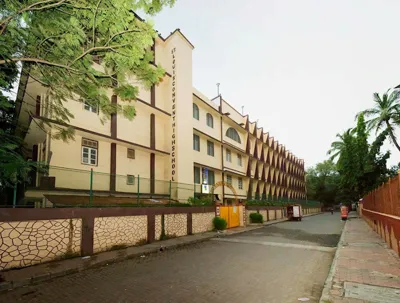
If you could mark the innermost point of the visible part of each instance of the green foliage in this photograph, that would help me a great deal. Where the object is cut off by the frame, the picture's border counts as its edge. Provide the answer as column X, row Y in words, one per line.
column 57, row 43
column 385, row 114
column 256, row 218
column 205, row 200
column 219, row 223
column 322, row 182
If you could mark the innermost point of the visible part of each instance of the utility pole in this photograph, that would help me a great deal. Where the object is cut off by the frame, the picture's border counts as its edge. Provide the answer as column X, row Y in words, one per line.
column 242, row 110
column 218, row 88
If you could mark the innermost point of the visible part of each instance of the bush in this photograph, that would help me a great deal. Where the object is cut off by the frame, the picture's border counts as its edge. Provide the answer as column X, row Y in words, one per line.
column 201, row 201
column 220, row 223
column 256, row 218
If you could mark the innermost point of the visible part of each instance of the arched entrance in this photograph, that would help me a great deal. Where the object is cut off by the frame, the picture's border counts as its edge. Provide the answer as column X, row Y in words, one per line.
column 230, row 213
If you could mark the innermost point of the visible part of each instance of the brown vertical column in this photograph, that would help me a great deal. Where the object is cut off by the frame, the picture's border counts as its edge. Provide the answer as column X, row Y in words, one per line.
column 87, row 236
column 151, row 227
column 190, row 224
column 33, row 172
column 114, row 119
column 152, row 131
column 113, row 166
column 153, row 95
column 152, row 172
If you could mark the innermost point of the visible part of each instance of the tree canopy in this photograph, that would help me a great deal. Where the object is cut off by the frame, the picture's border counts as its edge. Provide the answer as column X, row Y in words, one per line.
column 58, row 42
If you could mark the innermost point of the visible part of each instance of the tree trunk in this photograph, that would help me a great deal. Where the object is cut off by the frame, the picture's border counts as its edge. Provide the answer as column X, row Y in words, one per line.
column 392, row 135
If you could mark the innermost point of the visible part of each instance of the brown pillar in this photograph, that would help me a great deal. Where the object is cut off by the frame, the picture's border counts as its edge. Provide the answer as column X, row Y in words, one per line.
column 87, row 236
column 113, row 166
column 153, row 95
column 114, row 119
column 151, row 227
column 189, row 224
column 152, row 131
column 152, row 172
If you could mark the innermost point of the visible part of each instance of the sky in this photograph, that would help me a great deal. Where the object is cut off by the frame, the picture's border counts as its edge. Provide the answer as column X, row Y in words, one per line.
column 302, row 68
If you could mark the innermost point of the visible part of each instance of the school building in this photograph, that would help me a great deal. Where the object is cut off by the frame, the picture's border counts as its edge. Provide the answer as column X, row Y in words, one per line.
column 178, row 141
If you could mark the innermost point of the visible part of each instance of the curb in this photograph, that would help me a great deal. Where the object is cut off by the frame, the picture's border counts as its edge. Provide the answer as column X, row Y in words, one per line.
column 325, row 296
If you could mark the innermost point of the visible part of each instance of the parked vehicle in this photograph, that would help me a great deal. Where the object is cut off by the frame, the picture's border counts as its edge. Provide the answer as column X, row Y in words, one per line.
column 294, row 212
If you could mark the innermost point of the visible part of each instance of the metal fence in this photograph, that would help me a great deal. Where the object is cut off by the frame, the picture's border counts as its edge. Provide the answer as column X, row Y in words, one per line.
column 66, row 187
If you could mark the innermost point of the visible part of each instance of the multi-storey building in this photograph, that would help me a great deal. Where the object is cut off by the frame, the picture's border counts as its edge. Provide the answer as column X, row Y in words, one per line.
column 178, row 135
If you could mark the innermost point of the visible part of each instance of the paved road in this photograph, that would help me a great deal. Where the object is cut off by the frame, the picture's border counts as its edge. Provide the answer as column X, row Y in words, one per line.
column 278, row 263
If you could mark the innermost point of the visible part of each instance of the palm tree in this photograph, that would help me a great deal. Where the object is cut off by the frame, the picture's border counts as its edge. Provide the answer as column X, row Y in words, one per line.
column 385, row 114
column 338, row 146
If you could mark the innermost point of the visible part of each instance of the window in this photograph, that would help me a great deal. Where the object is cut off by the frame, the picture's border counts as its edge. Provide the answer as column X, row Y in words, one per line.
column 239, row 159
column 131, row 153
column 233, row 134
column 196, row 142
column 196, row 114
column 211, row 177
column 210, row 120
column 197, row 175
column 228, row 155
column 240, row 183
column 91, row 107
column 130, row 179
column 229, row 179
column 89, row 151
column 210, row 148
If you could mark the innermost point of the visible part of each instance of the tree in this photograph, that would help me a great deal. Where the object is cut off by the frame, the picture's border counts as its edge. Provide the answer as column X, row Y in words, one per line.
column 385, row 114
column 57, row 42
column 322, row 183
column 337, row 146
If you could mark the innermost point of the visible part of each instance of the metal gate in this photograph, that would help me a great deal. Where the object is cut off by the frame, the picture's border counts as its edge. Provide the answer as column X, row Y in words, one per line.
column 231, row 215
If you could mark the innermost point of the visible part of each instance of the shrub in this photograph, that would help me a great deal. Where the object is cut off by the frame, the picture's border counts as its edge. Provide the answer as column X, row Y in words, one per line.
column 201, row 201
column 220, row 223
column 256, row 218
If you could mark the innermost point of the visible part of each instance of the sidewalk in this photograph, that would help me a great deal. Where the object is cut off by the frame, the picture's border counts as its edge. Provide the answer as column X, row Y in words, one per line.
column 364, row 268
column 41, row 272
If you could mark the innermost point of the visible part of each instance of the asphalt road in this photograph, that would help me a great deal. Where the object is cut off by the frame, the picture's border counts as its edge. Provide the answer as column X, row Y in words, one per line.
column 278, row 263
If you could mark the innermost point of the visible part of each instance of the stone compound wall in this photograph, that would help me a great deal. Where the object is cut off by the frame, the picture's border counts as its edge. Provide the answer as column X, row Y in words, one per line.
column 27, row 243
column 114, row 232
column 202, row 222
column 175, row 225
column 32, row 236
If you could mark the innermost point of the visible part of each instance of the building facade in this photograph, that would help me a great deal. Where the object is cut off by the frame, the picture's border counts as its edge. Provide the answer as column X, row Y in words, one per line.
column 178, row 141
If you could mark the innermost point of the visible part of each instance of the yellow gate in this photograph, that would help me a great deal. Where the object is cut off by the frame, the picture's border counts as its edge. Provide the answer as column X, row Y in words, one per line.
column 231, row 215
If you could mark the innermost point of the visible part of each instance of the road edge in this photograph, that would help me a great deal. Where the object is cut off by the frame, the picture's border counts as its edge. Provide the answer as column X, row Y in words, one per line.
column 325, row 296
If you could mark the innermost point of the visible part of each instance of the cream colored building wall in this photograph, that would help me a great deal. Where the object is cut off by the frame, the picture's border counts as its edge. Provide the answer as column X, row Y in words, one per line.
column 234, row 160
column 71, row 172
column 162, row 94
column 175, row 225
column 137, row 130
column 86, row 119
column 242, row 134
column 114, row 232
column 31, row 242
column 203, row 158
column 234, row 114
column 202, row 222
column 184, row 155
column 201, row 124
column 140, row 166
column 162, row 126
